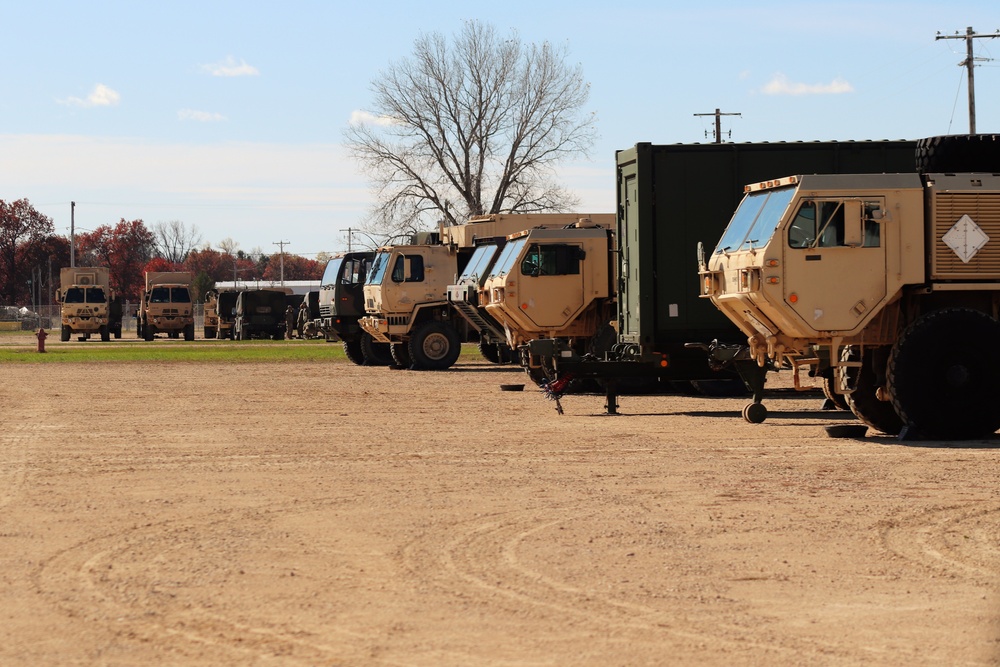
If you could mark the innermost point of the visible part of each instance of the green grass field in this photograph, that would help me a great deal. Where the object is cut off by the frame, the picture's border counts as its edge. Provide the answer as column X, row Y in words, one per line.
column 21, row 347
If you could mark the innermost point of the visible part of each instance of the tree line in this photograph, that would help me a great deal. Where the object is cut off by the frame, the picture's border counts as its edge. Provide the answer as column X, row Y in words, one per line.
column 31, row 254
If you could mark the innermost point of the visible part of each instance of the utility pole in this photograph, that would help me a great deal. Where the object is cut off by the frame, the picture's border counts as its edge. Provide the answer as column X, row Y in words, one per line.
column 718, row 123
column 349, row 235
column 282, row 245
column 970, row 64
column 72, row 234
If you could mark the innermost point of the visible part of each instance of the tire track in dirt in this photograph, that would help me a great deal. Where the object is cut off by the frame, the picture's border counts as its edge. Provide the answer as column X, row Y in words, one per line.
column 962, row 541
column 488, row 560
column 119, row 581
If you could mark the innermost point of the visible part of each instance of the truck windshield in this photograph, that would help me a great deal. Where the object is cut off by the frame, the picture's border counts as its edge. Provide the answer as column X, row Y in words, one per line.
column 95, row 295
column 508, row 256
column 159, row 295
column 379, row 266
column 180, row 295
column 479, row 263
column 330, row 274
column 755, row 220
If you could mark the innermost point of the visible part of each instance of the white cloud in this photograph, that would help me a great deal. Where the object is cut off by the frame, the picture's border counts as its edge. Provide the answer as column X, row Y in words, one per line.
column 100, row 96
column 363, row 117
column 780, row 85
column 229, row 67
column 200, row 116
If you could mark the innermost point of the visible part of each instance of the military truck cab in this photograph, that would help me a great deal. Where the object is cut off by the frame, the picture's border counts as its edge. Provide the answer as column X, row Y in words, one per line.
column 407, row 306
column 890, row 280
column 85, row 300
column 220, row 313
column 166, row 306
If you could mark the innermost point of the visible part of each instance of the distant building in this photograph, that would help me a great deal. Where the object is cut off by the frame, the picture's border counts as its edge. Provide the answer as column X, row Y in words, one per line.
column 297, row 286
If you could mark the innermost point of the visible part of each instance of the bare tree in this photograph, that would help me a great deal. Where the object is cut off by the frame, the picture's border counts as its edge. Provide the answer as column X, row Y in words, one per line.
column 471, row 127
column 174, row 240
column 229, row 246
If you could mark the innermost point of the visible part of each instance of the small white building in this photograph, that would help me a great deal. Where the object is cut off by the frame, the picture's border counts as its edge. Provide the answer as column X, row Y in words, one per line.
column 297, row 286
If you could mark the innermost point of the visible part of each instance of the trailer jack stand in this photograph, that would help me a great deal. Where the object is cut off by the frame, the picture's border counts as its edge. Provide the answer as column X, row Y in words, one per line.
column 611, row 396
column 754, row 376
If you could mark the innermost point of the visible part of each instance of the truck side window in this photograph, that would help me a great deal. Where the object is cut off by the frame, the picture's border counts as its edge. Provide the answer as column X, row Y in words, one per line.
column 551, row 260
column 872, row 228
column 802, row 231
column 159, row 295
column 408, row 269
column 817, row 224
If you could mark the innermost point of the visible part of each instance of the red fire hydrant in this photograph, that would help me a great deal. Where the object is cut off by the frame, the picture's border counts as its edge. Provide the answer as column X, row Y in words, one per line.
column 41, row 335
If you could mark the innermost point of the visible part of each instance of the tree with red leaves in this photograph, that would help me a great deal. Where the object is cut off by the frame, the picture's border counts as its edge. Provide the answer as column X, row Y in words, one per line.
column 296, row 268
column 124, row 249
column 21, row 229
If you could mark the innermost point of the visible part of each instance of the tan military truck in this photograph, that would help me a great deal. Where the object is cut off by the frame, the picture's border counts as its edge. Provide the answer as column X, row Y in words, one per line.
column 86, row 302
column 891, row 281
column 467, row 296
column 220, row 312
column 554, row 288
column 166, row 306
column 406, row 291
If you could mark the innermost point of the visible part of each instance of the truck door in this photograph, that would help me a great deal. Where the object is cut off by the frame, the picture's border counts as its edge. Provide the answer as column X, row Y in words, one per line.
column 835, row 262
column 629, row 270
column 551, row 290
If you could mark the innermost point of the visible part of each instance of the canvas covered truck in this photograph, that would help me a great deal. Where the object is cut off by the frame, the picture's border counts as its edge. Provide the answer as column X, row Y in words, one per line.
column 669, row 199
column 166, row 306
column 260, row 313
column 220, row 312
column 891, row 281
column 467, row 295
column 87, row 305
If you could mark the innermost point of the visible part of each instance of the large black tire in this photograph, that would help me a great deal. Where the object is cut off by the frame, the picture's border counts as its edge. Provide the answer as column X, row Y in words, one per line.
column 352, row 350
column 495, row 353
column 105, row 333
column 65, row 333
column 210, row 332
column 434, row 346
column 401, row 355
column 147, row 333
column 863, row 402
column 375, row 353
column 189, row 332
column 959, row 153
column 944, row 374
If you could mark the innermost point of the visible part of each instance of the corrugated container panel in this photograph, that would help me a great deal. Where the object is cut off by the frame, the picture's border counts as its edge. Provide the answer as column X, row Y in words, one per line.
column 984, row 209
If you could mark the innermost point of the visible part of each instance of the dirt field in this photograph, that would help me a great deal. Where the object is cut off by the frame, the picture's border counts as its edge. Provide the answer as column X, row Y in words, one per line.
column 313, row 514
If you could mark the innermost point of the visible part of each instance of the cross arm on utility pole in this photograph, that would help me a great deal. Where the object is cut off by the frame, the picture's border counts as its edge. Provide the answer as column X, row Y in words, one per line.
column 718, row 122
column 969, row 63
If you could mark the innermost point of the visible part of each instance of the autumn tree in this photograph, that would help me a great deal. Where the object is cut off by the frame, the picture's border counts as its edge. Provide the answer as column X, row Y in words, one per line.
column 296, row 268
column 43, row 258
column 21, row 228
column 174, row 240
column 470, row 127
column 124, row 249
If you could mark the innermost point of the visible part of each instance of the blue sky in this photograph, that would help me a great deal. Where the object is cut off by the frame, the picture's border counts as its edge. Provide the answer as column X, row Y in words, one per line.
column 229, row 116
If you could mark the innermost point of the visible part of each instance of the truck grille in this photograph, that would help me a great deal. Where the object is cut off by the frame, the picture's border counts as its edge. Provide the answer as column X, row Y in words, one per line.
column 984, row 209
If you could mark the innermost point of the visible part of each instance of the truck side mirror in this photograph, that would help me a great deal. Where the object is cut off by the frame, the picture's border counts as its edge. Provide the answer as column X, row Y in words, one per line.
column 853, row 223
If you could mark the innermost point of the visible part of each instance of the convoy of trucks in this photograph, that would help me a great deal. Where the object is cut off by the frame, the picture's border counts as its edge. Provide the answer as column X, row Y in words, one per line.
column 842, row 262
column 406, row 291
column 890, row 282
column 670, row 198
column 166, row 306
